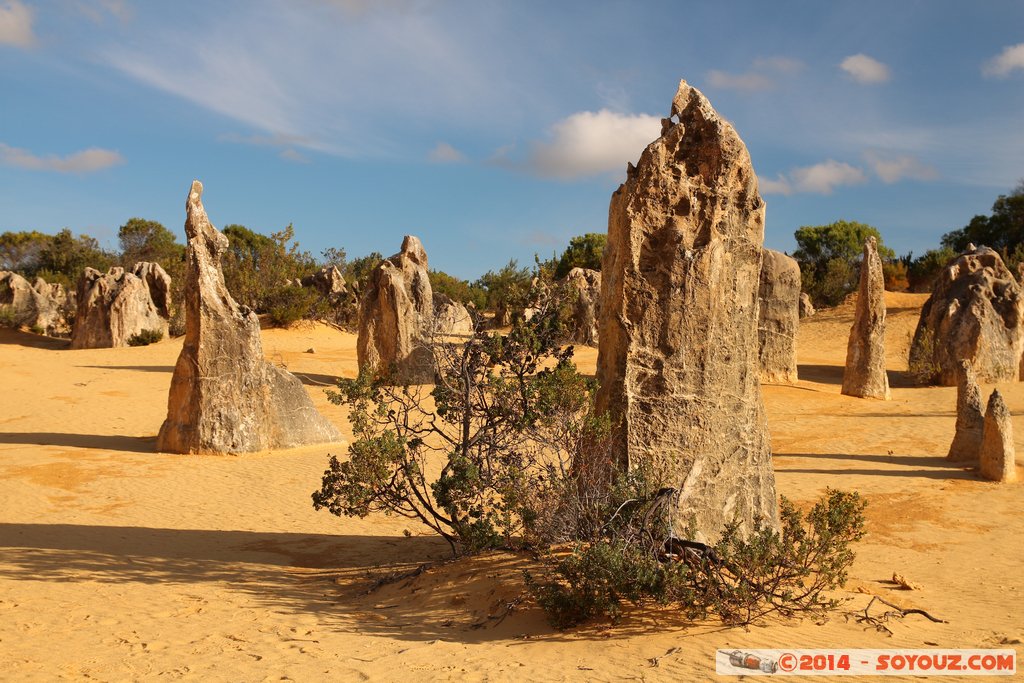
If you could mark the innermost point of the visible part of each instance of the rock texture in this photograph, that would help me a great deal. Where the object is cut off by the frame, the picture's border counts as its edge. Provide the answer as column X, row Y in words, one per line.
column 581, row 290
column 973, row 314
column 396, row 317
column 451, row 317
column 970, row 420
column 778, row 318
column 40, row 305
column 806, row 306
column 865, row 375
column 225, row 398
column 678, row 355
column 997, row 450
column 115, row 306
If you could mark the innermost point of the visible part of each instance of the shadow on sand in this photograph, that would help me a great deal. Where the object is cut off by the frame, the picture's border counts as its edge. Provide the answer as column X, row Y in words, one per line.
column 333, row 577
column 833, row 374
column 35, row 341
column 105, row 442
column 903, row 465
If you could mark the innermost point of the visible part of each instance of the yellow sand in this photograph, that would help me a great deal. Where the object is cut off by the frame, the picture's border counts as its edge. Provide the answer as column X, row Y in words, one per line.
column 117, row 563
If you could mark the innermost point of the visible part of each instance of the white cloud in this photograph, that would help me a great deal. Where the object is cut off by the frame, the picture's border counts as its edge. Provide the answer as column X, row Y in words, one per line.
column 864, row 69
column 894, row 169
column 294, row 156
column 1007, row 61
column 748, row 82
column 16, row 24
column 822, row 178
column 762, row 75
column 778, row 185
column 86, row 161
column 444, row 153
column 588, row 143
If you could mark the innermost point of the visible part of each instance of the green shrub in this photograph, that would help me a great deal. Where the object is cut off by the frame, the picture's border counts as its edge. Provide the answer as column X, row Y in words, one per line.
column 145, row 338
column 288, row 305
column 7, row 316
column 739, row 580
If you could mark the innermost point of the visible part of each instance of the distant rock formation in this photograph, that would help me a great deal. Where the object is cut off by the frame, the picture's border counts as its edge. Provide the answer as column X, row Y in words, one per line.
column 396, row 317
column 115, row 306
column 451, row 317
column 328, row 281
column 581, row 289
column 973, row 314
column 678, row 355
column 806, row 306
column 40, row 305
column 865, row 375
column 970, row 420
column 224, row 397
column 778, row 318
column 998, row 454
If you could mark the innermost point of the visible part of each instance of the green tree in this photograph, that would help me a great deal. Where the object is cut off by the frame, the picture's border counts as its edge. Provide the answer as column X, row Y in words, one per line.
column 584, row 251
column 829, row 256
column 145, row 240
column 22, row 251
column 65, row 257
column 358, row 270
column 923, row 270
column 462, row 291
column 260, row 272
column 507, row 289
column 1002, row 231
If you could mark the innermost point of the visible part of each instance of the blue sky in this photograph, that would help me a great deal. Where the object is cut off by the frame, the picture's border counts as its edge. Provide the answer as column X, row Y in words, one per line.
column 494, row 130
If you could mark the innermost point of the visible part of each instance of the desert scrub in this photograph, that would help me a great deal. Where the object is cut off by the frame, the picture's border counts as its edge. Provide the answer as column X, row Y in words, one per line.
column 7, row 316
column 921, row 364
column 145, row 338
column 738, row 580
column 481, row 456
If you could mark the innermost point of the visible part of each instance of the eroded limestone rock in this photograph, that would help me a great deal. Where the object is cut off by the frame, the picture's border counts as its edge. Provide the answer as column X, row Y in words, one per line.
column 451, row 317
column 678, row 354
column 806, row 306
column 974, row 314
column 581, row 290
column 998, row 453
column 40, row 305
column 115, row 306
column 778, row 317
column 970, row 420
column 224, row 397
column 864, row 375
column 396, row 317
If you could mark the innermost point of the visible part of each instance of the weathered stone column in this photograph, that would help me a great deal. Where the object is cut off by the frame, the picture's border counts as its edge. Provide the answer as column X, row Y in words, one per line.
column 678, row 350
column 865, row 375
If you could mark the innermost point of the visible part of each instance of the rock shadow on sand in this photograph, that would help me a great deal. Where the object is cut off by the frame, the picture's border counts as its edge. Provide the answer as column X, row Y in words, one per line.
column 102, row 442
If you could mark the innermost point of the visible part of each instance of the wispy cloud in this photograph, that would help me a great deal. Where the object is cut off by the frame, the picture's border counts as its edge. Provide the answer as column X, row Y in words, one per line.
column 865, row 70
column 86, row 161
column 763, row 74
column 16, row 24
column 294, row 156
column 821, row 178
column 892, row 169
column 444, row 153
column 98, row 10
column 1006, row 62
column 589, row 143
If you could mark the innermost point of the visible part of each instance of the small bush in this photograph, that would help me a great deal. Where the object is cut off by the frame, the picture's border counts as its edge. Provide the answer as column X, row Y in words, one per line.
column 739, row 580
column 288, row 305
column 145, row 338
column 7, row 317
column 921, row 364
column 37, row 329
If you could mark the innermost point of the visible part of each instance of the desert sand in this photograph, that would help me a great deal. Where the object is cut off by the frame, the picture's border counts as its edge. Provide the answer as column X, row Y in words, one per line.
column 120, row 563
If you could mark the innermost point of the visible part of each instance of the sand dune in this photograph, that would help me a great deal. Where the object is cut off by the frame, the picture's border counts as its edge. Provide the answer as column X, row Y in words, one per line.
column 118, row 563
